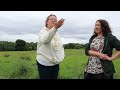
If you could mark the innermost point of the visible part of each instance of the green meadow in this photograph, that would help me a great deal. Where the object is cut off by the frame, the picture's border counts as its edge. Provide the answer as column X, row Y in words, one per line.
column 22, row 65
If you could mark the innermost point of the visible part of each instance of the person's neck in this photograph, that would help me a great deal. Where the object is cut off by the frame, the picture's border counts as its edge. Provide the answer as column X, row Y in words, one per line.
column 49, row 27
column 100, row 35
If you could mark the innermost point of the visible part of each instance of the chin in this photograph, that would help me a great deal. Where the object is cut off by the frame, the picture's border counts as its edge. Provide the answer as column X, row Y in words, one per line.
column 52, row 25
column 97, row 31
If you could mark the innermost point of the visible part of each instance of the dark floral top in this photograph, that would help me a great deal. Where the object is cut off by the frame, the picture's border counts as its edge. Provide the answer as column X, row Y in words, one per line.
column 94, row 63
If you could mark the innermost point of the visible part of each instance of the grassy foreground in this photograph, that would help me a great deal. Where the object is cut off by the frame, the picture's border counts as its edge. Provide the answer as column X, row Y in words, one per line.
column 22, row 65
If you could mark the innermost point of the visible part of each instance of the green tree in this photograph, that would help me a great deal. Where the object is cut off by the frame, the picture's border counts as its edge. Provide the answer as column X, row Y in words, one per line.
column 20, row 45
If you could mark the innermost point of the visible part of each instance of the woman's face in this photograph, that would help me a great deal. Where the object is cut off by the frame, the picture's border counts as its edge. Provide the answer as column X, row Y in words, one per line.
column 51, row 21
column 98, row 29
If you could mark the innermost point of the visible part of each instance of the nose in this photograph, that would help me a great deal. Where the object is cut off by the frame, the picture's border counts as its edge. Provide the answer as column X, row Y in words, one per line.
column 53, row 20
column 96, row 26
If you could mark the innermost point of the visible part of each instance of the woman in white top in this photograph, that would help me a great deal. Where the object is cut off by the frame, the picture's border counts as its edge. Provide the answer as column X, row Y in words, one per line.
column 50, row 51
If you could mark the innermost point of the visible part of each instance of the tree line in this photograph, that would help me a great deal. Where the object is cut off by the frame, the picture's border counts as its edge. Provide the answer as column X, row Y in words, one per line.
column 18, row 45
column 21, row 45
column 74, row 46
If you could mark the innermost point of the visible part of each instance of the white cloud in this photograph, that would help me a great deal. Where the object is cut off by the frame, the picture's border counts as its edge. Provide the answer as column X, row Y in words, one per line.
column 78, row 26
column 26, row 37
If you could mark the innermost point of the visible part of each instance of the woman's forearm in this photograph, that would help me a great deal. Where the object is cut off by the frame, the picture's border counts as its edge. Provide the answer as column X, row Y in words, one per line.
column 47, row 37
column 100, row 55
column 94, row 53
column 116, row 55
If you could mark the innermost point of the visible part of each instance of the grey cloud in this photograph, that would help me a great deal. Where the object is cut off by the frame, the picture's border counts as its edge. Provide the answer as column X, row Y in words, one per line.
column 78, row 26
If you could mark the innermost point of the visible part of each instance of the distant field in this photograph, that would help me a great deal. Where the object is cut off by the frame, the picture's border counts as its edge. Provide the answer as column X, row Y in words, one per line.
column 22, row 65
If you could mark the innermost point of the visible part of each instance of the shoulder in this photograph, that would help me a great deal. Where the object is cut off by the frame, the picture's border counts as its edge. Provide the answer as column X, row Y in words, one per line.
column 92, row 37
column 43, row 30
column 111, row 36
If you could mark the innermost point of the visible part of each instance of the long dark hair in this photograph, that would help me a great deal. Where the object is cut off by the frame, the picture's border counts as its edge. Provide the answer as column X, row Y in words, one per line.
column 104, row 26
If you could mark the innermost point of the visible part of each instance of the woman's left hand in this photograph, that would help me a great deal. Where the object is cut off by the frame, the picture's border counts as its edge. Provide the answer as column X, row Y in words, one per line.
column 108, row 58
column 59, row 23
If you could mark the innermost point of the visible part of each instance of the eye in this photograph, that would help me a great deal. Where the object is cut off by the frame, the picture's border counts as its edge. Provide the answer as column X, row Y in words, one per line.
column 53, row 19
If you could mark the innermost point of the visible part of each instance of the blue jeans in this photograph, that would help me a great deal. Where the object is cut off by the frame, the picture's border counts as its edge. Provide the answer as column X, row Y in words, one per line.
column 48, row 72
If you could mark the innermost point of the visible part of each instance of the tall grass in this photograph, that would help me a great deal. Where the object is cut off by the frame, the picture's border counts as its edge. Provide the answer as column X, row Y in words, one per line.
column 22, row 65
column 19, row 65
column 73, row 65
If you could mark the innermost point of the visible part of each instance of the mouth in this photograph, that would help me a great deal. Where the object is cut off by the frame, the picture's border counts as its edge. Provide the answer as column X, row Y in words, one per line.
column 97, row 29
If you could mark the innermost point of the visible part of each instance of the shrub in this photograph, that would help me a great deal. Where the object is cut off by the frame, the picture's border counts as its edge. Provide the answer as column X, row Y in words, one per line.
column 6, row 55
column 28, row 58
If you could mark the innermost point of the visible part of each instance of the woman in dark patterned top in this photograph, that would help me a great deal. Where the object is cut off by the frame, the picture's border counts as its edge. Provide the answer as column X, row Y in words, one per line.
column 99, row 50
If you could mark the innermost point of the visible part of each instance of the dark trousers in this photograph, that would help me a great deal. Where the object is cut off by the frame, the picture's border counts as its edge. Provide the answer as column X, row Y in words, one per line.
column 97, row 76
column 48, row 72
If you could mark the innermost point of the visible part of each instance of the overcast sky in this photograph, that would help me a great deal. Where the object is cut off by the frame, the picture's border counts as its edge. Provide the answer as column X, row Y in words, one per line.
column 78, row 26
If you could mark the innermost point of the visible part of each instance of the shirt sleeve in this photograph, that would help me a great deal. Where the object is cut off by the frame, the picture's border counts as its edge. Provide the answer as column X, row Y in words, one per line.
column 46, row 36
column 87, row 48
column 115, row 43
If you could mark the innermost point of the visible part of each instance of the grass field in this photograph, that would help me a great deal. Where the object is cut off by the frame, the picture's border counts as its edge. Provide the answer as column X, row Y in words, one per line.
column 22, row 65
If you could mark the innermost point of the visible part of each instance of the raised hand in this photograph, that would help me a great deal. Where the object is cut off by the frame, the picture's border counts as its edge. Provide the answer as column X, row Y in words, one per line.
column 59, row 23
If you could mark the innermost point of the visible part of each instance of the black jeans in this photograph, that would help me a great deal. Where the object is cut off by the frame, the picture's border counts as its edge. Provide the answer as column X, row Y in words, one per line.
column 97, row 76
column 48, row 72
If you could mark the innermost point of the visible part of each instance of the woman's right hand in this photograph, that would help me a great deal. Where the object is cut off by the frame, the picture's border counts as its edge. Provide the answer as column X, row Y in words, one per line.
column 59, row 23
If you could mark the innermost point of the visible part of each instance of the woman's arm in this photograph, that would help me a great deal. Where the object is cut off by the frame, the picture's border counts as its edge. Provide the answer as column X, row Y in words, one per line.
column 93, row 53
column 97, row 54
column 115, row 56
column 89, row 52
column 116, row 44
column 47, row 37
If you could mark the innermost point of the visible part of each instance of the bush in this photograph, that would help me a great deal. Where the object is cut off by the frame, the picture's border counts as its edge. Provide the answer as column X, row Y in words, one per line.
column 28, row 58
column 6, row 55
column 77, row 47
column 20, row 70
